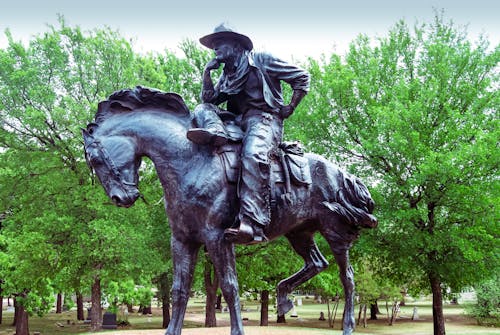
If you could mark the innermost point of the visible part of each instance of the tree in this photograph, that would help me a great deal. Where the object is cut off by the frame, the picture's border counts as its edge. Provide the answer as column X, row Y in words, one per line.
column 487, row 308
column 48, row 90
column 261, row 267
column 417, row 116
column 327, row 285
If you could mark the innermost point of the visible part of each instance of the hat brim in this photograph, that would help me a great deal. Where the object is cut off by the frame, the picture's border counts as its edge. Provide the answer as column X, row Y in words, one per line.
column 209, row 40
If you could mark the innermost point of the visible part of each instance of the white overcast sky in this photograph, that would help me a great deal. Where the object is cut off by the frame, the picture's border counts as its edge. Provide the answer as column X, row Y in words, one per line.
column 286, row 28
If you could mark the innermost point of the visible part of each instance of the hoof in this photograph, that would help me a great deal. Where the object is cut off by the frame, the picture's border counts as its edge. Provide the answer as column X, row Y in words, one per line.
column 285, row 307
column 348, row 330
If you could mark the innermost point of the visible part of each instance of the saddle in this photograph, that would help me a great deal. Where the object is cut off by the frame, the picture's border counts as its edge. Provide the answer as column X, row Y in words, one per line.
column 288, row 164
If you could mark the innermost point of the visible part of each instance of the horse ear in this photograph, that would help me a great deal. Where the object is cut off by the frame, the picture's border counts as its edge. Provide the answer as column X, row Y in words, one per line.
column 87, row 138
column 88, row 133
column 91, row 128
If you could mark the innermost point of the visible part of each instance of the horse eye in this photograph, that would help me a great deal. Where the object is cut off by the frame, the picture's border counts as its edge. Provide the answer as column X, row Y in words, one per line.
column 96, row 160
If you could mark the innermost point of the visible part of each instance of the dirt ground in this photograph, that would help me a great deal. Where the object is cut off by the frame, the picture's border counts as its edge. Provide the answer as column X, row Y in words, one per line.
column 226, row 331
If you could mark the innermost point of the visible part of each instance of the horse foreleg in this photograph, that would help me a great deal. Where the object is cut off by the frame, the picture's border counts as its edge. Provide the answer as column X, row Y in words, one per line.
column 223, row 258
column 347, row 278
column 184, row 258
column 304, row 245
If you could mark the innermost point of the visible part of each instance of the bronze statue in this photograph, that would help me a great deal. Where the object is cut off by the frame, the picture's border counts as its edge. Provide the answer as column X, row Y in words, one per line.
column 251, row 86
column 201, row 199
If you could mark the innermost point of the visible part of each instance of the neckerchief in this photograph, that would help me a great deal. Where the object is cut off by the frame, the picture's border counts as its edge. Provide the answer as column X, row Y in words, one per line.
column 233, row 83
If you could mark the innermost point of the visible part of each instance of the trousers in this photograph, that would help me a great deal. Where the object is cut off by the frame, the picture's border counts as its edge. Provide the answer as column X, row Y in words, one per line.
column 263, row 132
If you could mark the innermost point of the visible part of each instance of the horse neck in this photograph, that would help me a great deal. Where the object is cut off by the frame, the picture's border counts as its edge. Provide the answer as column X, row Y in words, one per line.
column 162, row 138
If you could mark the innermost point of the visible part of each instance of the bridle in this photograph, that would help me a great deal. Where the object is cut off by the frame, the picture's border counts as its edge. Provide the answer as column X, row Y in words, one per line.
column 103, row 153
column 115, row 175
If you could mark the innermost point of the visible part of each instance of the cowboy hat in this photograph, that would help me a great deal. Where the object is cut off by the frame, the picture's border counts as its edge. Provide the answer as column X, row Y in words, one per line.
column 223, row 32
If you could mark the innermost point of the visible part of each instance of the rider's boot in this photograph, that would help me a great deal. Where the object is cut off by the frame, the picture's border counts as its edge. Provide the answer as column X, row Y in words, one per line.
column 209, row 135
column 248, row 232
column 210, row 129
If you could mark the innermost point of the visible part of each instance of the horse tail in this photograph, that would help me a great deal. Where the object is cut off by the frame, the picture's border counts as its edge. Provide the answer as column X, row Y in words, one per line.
column 353, row 202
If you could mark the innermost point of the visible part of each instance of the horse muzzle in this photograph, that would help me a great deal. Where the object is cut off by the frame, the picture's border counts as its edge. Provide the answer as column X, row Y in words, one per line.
column 124, row 197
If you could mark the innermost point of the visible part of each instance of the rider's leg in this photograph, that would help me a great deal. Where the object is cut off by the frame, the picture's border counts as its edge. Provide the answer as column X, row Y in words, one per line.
column 262, row 133
column 209, row 127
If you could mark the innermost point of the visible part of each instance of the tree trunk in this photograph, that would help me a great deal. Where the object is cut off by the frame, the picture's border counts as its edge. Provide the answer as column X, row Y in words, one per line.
column 373, row 311
column 166, row 310
column 164, row 287
column 343, row 318
column 281, row 319
column 96, row 310
column 437, row 304
column 329, row 313
column 22, row 321
column 387, row 312
column 20, row 318
column 218, row 304
column 264, row 307
column 211, row 285
column 79, row 307
column 394, row 311
column 364, row 316
column 359, row 314
column 1, row 303
column 14, row 321
column 335, row 308
column 59, row 303
column 404, row 293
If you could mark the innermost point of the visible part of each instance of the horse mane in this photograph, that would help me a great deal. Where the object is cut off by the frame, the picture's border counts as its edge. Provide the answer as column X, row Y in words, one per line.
column 127, row 100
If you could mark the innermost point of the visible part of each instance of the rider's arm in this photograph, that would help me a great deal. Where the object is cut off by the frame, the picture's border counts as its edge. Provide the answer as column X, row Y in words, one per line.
column 297, row 96
column 299, row 79
column 210, row 94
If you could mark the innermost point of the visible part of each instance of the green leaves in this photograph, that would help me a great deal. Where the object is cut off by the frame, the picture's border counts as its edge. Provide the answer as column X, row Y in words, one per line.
column 415, row 114
column 57, row 230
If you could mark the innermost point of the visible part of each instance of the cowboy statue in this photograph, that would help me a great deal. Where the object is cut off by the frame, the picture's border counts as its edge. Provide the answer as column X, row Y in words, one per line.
column 251, row 85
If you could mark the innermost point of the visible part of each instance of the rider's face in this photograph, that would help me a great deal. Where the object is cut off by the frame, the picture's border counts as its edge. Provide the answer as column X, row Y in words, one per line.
column 224, row 50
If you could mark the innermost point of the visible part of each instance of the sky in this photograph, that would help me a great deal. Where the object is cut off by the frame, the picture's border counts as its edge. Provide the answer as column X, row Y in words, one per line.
column 286, row 28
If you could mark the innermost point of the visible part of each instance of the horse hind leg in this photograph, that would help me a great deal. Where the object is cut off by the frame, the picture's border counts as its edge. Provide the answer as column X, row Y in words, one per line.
column 340, row 248
column 304, row 245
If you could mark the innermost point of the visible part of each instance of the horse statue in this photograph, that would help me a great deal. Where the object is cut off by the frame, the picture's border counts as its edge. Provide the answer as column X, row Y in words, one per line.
column 200, row 202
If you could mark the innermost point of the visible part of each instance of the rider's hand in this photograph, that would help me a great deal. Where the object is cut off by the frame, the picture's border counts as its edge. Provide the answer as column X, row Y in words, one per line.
column 214, row 64
column 286, row 111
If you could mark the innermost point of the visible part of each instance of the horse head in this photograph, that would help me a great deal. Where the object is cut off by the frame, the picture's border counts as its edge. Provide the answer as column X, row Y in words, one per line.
column 115, row 163
column 110, row 149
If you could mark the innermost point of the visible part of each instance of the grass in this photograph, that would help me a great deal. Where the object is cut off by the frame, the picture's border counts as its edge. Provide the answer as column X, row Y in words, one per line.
column 306, row 323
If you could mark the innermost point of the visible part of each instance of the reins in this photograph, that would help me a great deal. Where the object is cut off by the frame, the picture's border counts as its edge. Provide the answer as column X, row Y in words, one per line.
column 110, row 164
